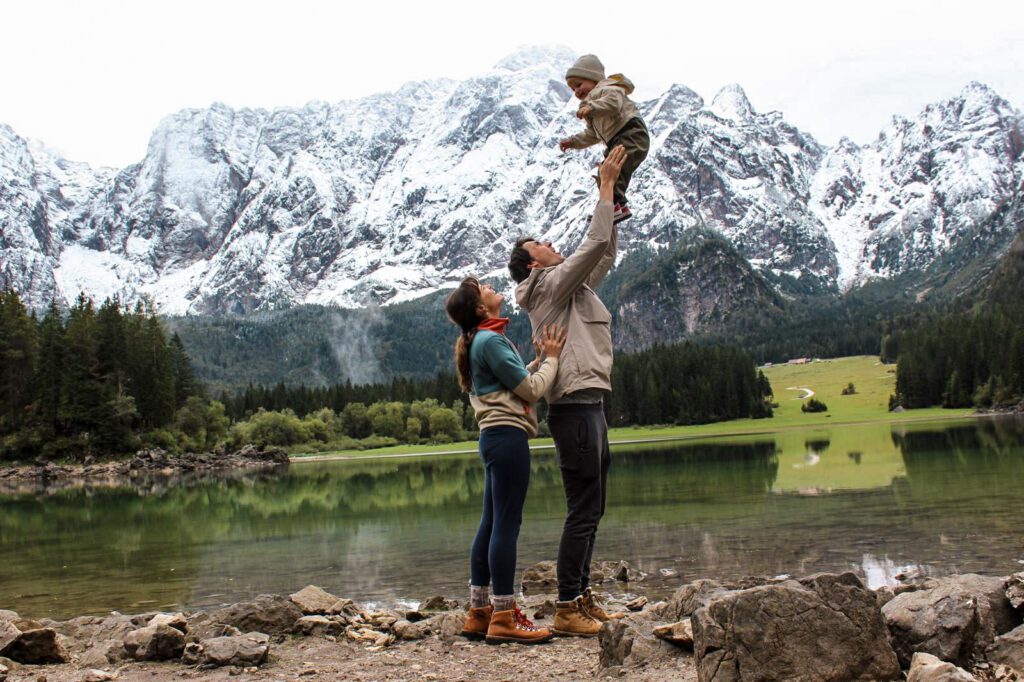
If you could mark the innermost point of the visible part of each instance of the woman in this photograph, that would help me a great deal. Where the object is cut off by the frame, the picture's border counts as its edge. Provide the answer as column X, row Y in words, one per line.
column 502, row 392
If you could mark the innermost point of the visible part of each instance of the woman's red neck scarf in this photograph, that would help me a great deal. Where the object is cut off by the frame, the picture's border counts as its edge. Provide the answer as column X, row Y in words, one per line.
column 494, row 324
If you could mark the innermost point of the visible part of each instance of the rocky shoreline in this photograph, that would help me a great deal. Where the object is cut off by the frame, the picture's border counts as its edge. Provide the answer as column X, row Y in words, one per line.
column 820, row 627
column 145, row 465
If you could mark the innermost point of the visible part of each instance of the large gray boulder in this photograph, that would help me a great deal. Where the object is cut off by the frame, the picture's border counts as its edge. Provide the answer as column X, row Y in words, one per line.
column 824, row 627
column 269, row 613
column 159, row 642
column 955, row 619
column 1008, row 649
column 927, row 668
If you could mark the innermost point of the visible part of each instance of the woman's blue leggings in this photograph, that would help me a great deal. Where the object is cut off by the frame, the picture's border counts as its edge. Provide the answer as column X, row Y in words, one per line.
column 505, row 452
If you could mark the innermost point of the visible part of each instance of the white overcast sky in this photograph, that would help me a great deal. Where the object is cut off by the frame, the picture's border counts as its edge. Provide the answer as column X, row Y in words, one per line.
column 92, row 78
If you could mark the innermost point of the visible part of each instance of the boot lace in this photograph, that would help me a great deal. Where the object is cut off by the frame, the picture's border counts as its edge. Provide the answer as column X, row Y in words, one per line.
column 522, row 622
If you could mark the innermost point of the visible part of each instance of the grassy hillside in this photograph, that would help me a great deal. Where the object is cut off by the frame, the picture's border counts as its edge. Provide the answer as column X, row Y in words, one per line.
column 873, row 381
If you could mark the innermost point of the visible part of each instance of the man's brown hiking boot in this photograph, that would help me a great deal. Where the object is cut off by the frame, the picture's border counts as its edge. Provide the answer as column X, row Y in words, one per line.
column 513, row 627
column 477, row 621
column 594, row 608
column 573, row 620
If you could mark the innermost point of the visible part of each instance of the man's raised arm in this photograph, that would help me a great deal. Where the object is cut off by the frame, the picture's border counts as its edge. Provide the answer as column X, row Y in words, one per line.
column 595, row 255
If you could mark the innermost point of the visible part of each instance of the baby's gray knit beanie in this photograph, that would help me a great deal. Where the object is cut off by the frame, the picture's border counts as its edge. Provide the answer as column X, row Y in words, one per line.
column 588, row 67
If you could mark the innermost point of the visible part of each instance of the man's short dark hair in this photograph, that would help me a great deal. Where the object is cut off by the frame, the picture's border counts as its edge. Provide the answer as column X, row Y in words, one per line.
column 519, row 261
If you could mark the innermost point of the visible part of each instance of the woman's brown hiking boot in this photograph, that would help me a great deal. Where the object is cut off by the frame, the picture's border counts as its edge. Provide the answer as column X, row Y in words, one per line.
column 594, row 608
column 573, row 620
column 513, row 627
column 477, row 621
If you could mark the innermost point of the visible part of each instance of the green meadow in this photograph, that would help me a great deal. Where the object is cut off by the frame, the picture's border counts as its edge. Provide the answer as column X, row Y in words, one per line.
column 873, row 381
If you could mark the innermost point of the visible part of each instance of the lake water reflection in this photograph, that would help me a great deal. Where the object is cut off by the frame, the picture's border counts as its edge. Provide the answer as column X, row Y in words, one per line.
column 877, row 499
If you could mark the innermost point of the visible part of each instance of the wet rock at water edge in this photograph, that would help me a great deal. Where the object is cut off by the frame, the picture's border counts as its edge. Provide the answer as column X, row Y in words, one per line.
column 928, row 668
column 174, row 620
column 269, row 613
column 954, row 618
column 540, row 577
column 438, row 603
column 1008, row 649
column 821, row 627
column 159, row 642
column 621, row 571
column 637, row 604
column 313, row 600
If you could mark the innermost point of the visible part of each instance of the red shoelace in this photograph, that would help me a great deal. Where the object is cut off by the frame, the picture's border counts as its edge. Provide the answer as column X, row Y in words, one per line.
column 522, row 621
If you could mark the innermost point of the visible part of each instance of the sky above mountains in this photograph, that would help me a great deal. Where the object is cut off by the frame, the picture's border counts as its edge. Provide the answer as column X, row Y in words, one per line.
column 92, row 80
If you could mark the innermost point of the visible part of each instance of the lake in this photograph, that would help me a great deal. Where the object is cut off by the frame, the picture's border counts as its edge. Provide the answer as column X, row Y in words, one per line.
column 937, row 498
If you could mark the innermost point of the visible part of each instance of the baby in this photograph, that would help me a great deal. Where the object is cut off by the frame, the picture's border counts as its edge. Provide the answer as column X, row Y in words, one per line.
column 611, row 118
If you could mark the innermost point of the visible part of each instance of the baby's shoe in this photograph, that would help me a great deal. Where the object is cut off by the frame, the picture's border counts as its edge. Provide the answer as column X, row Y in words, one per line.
column 621, row 213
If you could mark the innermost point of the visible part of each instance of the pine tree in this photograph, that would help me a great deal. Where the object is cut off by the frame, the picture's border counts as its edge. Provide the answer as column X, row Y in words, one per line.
column 49, row 372
column 185, row 384
column 17, row 358
column 82, row 400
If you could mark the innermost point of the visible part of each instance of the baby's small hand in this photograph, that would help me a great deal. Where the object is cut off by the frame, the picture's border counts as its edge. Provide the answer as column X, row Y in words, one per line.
column 583, row 111
column 564, row 144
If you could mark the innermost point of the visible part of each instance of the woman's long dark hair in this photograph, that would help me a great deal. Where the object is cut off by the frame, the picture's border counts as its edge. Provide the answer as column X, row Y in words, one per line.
column 461, row 307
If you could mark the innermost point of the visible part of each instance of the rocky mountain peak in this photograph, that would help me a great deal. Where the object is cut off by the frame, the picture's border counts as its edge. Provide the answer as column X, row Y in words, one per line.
column 390, row 197
column 531, row 56
column 731, row 103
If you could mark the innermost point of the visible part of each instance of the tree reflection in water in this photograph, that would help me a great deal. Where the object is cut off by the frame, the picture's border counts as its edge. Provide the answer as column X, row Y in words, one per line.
column 943, row 498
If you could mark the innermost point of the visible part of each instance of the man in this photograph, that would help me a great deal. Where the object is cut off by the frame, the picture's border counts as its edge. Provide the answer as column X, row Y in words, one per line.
column 555, row 289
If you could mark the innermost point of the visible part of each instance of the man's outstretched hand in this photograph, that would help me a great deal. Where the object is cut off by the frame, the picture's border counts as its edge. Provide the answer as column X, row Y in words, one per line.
column 610, row 170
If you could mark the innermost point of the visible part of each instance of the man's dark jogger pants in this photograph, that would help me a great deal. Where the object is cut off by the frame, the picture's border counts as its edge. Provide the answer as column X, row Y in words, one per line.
column 581, row 439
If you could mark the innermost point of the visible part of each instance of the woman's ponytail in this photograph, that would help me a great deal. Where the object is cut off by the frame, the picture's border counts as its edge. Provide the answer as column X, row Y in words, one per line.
column 462, row 307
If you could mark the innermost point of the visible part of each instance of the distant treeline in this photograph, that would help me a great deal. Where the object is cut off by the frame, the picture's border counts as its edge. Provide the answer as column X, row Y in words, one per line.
column 687, row 384
column 963, row 360
column 679, row 384
column 973, row 356
column 86, row 381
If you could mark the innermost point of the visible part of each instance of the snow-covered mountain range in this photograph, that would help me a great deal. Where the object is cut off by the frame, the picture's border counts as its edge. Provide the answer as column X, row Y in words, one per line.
column 390, row 197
